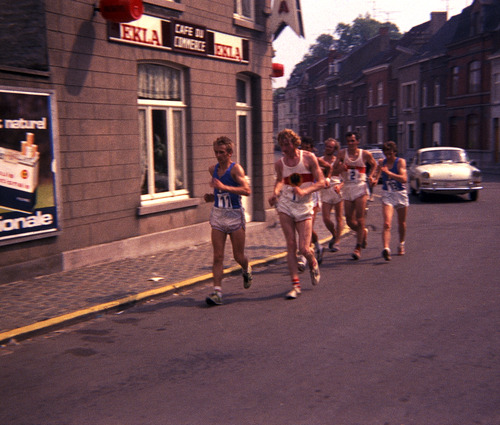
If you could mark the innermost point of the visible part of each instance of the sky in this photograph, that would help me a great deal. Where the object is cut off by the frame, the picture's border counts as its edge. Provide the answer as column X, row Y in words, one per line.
column 322, row 16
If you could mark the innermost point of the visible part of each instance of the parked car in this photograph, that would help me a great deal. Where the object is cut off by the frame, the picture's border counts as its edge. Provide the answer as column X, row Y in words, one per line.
column 444, row 170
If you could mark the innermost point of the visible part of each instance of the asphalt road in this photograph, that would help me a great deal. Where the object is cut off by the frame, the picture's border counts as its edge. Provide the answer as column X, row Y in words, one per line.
column 412, row 341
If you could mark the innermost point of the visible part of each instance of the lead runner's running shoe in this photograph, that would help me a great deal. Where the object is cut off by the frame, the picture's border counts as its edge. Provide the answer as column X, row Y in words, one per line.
column 247, row 277
column 214, row 299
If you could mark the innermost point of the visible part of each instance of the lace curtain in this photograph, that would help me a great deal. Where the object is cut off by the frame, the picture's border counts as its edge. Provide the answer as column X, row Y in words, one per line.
column 159, row 82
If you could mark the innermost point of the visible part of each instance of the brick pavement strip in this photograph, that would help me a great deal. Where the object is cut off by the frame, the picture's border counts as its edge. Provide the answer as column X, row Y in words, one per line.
column 48, row 302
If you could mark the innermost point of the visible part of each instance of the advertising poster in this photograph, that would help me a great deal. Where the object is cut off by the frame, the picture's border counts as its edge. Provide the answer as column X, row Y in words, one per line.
column 27, row 165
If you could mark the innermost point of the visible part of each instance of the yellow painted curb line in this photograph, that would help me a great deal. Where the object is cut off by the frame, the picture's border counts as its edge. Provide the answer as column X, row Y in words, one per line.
column 25, row 331
column 49, row 323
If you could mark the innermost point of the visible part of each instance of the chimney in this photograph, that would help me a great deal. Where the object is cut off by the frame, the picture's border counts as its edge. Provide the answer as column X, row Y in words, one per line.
column 383, row 33
column 438, row 19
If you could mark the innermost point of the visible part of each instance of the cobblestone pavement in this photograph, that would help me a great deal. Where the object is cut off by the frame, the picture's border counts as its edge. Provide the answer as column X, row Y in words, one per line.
column 40, row 299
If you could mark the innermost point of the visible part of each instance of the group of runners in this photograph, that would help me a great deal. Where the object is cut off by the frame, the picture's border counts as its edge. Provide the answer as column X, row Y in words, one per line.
column 306, row 184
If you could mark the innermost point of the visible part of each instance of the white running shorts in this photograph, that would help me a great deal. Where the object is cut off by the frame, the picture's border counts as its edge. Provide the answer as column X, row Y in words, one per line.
column 299, row 211
column 351, row 192
column 397, row 199
column 227, row 220
column 330, row 196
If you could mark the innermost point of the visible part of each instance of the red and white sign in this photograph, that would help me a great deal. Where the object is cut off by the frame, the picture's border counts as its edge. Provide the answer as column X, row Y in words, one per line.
column 228, row 47
column 181, row 37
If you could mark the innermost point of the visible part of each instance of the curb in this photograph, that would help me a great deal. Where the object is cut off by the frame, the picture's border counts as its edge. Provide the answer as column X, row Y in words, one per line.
column 44, row 326
column 58, row 322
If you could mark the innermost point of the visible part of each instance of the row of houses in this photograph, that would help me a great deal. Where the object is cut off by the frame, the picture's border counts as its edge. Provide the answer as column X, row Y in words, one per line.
column 437, row 85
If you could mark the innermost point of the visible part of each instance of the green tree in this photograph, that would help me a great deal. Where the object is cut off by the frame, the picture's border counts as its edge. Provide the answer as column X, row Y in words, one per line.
column 349, row 36
column 324, row 43
column 360, row 31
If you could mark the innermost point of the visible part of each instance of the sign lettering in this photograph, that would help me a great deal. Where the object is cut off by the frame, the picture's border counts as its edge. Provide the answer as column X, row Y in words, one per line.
column 181, row 37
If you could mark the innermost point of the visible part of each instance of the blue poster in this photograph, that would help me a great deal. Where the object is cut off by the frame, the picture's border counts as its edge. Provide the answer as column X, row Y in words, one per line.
column 27, row 166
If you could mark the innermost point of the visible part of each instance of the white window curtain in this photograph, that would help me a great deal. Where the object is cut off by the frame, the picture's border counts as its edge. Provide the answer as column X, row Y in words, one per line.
column 159, row 82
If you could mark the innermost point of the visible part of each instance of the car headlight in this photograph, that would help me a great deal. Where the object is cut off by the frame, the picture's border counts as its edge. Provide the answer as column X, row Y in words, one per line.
column 425, row 175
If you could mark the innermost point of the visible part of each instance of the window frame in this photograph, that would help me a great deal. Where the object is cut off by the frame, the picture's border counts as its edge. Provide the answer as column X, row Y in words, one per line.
column 437, row 93
column 408, row 93
column 496, row 87
column 171, row 107
column 455, row 80
column 238, row 10
column 380, row 93
column 474, row 81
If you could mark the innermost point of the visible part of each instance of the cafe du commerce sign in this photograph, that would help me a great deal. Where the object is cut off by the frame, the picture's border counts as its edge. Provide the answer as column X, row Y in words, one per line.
column 181, row 37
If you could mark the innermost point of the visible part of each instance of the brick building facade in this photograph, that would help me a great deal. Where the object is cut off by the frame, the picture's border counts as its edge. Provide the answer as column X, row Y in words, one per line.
column 434, row 86
column 131, row 111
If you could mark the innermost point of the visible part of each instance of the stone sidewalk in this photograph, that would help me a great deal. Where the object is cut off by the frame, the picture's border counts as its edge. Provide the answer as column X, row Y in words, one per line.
column 47, row 302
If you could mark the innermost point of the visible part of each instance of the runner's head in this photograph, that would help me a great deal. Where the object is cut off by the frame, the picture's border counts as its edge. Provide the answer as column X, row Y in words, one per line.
column 226, row 142
column 288, row 135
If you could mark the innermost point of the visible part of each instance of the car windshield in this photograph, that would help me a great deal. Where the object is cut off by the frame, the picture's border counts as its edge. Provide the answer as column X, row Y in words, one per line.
column 377, row 154
column 442, row 155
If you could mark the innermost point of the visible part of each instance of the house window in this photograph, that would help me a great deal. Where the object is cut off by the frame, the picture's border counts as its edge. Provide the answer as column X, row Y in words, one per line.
column 162, row 131
column 437, row 93
column 337, row 101
column 380, row 132
column 393, row 109
column 424, row 95
column 380, row 93
column 408, row 93
column 474, row 77
column 454, row 80
column 244, row 9
column 436, row 134
column 411, row 135
column 472, row 141
column 496, row 87
column 370, row 96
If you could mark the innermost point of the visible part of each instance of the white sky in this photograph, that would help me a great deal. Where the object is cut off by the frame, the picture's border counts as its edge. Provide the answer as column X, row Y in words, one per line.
column 322, row 16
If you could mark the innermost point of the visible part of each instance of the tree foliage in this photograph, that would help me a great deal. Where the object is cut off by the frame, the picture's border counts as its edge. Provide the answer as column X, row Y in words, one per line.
column 360, row 31
column 348, row 37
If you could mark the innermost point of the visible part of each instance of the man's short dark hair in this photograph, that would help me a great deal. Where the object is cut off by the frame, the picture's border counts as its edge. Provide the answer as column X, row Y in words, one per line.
column 308, row 140
column 352, row 133
column 391, row 146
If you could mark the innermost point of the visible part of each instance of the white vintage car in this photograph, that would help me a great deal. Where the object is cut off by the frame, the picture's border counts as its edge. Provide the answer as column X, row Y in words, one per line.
column 443, row 170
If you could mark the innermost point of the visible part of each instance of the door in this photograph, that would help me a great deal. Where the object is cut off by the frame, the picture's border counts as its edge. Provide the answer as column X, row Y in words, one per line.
column 244, row 137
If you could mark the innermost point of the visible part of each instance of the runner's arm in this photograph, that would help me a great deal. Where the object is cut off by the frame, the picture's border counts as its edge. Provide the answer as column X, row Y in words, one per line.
column 238, row 175
column 278, row 185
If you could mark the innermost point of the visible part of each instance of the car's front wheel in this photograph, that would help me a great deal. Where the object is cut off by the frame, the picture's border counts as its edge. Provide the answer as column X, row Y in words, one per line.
column 420, row 193
column 474, row 195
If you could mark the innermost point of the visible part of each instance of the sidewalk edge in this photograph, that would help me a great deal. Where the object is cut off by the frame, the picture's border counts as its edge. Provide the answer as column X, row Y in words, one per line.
column 58, row 322
column 120, row 304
